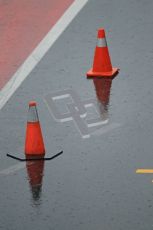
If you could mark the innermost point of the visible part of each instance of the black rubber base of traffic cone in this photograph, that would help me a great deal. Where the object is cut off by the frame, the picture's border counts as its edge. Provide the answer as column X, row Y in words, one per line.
column 35, row 159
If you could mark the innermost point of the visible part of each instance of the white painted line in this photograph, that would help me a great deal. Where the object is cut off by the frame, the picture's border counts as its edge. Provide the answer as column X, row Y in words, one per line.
column 103, row 122
column 38, row 53
column 106, row 129
column 12, row 169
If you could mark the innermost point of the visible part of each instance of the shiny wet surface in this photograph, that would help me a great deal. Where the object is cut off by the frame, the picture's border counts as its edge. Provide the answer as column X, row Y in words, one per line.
column 93, row 184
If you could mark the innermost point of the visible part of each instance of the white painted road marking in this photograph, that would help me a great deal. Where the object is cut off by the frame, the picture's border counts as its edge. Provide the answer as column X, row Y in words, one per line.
column 13, row 169
column 38, row 53
column 106, row 129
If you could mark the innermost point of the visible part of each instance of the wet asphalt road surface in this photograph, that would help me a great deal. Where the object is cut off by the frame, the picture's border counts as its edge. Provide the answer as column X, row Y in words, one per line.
column 93, row 184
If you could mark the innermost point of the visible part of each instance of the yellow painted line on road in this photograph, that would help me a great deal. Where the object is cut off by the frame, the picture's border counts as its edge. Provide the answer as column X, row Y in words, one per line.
column 144, row 171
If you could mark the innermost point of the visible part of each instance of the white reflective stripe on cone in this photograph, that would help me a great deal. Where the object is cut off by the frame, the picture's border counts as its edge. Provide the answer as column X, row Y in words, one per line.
column 101, row 42
column 33, row 114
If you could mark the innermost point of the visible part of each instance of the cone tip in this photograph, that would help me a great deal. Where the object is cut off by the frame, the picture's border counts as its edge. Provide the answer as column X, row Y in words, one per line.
column 101, row 33
column 32, row 103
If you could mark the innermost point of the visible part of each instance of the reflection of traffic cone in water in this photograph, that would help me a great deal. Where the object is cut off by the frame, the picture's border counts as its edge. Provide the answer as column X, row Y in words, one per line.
column 103, row 88
column 34, row 144
column 35, row 173
column 102, row 66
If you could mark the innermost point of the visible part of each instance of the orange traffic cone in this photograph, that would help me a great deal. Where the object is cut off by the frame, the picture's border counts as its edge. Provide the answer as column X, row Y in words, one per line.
column 34, row 144
column 102, row 66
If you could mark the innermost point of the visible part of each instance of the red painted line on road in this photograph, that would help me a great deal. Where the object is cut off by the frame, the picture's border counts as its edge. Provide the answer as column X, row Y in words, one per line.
column 23, row 24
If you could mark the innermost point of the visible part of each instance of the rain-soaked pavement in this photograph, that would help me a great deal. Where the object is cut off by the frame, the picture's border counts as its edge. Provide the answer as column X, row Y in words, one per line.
column 103, row 126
